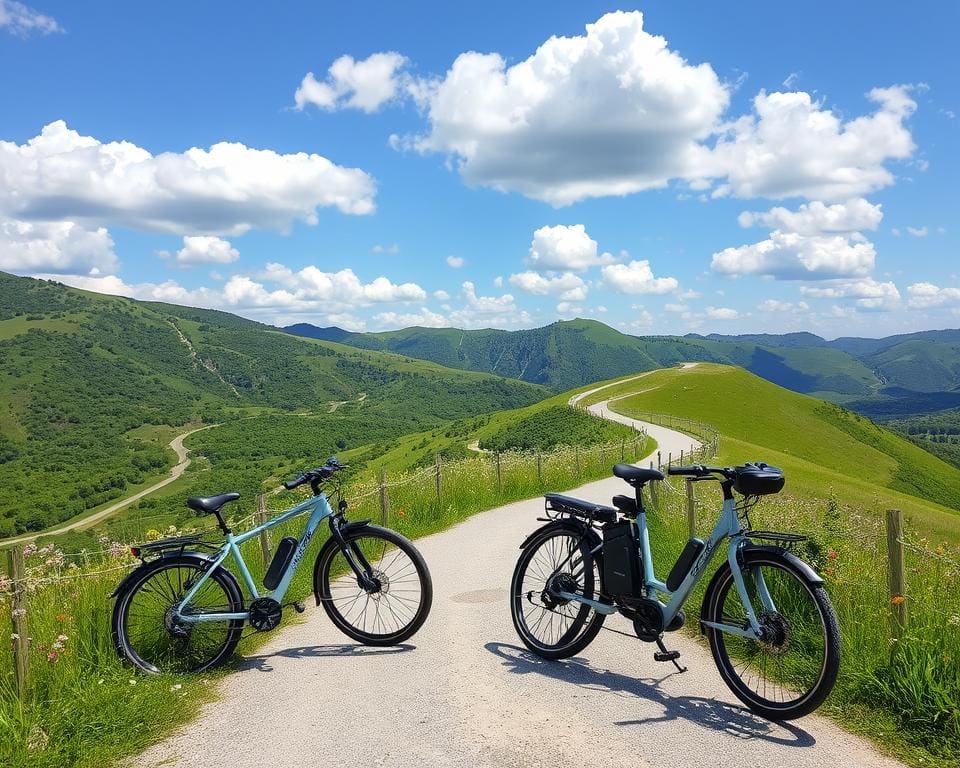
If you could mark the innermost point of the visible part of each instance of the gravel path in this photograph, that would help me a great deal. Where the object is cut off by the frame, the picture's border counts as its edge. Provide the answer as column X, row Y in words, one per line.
column 465, row 693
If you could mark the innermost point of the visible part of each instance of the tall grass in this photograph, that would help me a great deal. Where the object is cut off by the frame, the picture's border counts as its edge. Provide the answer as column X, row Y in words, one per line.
column 83, row 707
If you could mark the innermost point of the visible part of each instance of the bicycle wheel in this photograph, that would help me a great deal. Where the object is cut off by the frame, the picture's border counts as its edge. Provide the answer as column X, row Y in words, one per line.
column 556, row 560
column 793, row 668
column 147, row 633
column 398, row 606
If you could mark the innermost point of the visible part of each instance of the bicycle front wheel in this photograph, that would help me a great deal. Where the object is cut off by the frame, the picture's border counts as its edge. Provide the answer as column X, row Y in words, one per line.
column 147, row 631
column 398, row 603
column 789, row 671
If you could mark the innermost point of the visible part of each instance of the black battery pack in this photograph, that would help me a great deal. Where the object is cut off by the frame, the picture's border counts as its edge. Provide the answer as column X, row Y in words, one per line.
column 682, row 567
column 622, row 575
column 281, row 559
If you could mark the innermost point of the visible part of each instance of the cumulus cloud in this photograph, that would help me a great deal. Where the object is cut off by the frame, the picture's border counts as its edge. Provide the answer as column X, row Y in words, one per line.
column 456, row 261
column 227, row 189
column 350, row 84
column 792, row 256
column 918, row 231
column 312, row 283
column 441, row 295
column 487, row 311
column 721, row 313
column 610, row 112
column 775, row 305
column 817, row 218
column 392, row 248
column 866, row 293
column 636, row 277
column 568, row 286
column 27, row 247
column 205, row 249
column 425, row 318
column 927, row 295
column 792, row 147
column 22, row 20
column 565, row 248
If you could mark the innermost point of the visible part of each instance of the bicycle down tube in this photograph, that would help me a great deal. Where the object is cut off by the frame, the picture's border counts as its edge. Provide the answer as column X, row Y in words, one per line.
column 321, row 510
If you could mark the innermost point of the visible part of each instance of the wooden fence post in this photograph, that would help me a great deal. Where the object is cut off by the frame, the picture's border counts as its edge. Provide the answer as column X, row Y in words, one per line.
column 655, row 494
column 681, row 456
column 499, row 477
column 669, row 459
column 691, row 509
column 439, row 461
column 659, row 463
column 539, row 469
column 265, row 534
column 18, row 615
column 384, row 498
column 896, row 573
column 577, row 458
column 623, row 448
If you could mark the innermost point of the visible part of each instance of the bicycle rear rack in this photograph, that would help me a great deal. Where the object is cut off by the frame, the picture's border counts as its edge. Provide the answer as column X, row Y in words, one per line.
column 785, row 540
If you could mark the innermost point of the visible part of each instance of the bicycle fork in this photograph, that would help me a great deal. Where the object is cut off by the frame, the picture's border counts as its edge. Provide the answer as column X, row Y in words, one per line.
column 354, row 556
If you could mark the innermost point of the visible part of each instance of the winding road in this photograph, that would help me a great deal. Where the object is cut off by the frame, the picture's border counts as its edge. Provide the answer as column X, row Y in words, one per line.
column 183, row 461
column 464, row 692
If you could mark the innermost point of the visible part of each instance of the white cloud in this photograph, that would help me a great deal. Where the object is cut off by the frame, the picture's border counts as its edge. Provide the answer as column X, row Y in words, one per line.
column 775, row 305
column 568, row 286
column 569, row 309
column 441, row 295
column 918, row 231
column 392, row 248
column 344, row 287
column 867, row 293
column 637, row 277
column 672, row 307
column 611, row 112
column 365, row 85
column 228, row 189
column 66, row 247
column 818, row 218
column 687, row 295
column 565, row 248
column 456, row 261
column 791, row 256
column 498, row 281
column 488, row 311
column 205, row 249
column 926, row 295
column 792, row 147
column 424, row 319
column 721, row 313
column 22, row 20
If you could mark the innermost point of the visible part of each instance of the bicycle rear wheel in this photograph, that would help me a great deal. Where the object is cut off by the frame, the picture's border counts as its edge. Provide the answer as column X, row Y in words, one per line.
column 146, row 631
column 792, row 669
column 558, row 559
column 399, row 604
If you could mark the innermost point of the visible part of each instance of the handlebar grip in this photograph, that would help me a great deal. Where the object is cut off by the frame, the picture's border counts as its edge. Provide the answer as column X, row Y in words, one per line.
column 291, row 484
column 693, row 469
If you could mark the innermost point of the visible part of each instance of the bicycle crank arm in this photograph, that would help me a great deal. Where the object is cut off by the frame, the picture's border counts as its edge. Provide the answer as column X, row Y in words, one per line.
column 595, row 604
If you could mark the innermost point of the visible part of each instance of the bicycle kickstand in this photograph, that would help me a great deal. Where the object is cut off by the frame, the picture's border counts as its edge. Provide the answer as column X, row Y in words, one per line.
column 664, row 655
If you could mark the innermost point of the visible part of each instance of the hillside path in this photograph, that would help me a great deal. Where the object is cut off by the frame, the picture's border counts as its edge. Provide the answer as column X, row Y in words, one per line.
column 183, row 461
column 465, row 693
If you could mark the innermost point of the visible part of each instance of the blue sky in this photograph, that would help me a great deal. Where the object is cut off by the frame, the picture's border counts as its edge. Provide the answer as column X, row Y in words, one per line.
column 698, row 168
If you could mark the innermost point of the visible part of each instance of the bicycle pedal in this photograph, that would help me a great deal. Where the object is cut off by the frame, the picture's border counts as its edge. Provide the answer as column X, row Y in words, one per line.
column 298, row 606
column 666, row 655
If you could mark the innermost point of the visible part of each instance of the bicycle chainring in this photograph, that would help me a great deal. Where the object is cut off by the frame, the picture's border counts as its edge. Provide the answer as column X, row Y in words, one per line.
column 265, row 614
column 648, row 620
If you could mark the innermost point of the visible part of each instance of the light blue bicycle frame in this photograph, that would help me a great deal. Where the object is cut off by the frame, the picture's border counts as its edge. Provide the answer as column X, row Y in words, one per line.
column 728, row 526
column 319, row 508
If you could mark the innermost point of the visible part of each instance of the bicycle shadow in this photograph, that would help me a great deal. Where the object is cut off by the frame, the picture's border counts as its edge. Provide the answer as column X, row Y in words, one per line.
column 261, row 663
column 708, row 713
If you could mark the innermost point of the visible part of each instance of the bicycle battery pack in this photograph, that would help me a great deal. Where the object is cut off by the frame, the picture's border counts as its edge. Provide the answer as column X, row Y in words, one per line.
column 281, row 559
column 621, row 560
column 682, row 567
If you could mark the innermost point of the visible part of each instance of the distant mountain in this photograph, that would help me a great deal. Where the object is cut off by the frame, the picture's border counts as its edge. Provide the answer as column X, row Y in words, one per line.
column 896, row 376
column 82, row 373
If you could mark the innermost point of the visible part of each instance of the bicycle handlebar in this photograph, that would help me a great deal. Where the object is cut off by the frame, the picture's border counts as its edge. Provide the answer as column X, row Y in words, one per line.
column 330, row 468
column 699, row 470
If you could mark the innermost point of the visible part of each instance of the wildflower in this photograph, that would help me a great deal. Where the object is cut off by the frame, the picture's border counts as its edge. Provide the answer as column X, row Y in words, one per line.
column 58, row 646
column 176, row 687
column 898, row 600
column 62, row 617
column 829, row 570
column 940, row 550
column 52, row 656
column 18, row 613
column 833, row 554
column 954, row 620
column 29, row 549
column 401, row 513
column 14, row 636
column 117, row 549
column 62, row 638
column 132, row 681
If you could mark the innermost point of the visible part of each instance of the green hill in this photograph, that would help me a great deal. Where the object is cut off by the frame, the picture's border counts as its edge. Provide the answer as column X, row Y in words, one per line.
column 900, row 375
column 81, row 373
column 825, row 449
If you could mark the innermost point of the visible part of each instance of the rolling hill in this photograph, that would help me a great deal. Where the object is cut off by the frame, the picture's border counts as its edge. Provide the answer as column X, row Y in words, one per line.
column 82, row 373
column 901, row 375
